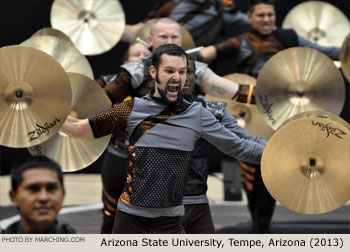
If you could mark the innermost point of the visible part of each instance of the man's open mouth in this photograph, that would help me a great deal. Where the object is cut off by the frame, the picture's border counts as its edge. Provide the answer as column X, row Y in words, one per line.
column 173, row 87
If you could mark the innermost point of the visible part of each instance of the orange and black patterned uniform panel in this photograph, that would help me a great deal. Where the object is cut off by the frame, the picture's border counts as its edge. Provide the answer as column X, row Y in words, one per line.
column 114, row 120
column 120, row 88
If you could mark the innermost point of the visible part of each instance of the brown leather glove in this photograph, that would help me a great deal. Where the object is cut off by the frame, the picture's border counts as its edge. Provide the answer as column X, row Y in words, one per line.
column 245, row 94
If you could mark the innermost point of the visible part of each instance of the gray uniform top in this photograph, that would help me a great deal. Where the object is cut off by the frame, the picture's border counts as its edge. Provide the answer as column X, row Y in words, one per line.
column 161, row 140
column 196, row 184
column 139, row 72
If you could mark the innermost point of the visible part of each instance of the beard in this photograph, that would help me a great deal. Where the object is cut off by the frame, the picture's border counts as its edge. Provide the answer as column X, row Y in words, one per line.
column 165, row 99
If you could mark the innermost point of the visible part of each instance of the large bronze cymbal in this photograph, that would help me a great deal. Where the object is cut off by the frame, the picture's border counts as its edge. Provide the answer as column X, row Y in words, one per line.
column 52, row 32
column 319, row 22
column 345, row 57
column 64, row 52
column 35, row 96
column 306, row 165
column 247, row 115
column 296, row 80
column 318, row 114
column 95, row 26
column 143, row 33
column 77, row 153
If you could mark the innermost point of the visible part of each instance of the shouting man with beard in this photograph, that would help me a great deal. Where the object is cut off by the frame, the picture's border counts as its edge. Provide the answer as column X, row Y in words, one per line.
column 161, row 130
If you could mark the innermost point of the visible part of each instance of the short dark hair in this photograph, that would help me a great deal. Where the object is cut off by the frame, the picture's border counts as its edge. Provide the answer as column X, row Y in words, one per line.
column 169, row 49
column 41, row 162
column 252, row 3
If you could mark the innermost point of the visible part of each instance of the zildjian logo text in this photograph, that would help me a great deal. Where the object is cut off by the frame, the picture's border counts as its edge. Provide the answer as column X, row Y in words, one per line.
column 329, row 129
column 267, row 106
column 42, row 129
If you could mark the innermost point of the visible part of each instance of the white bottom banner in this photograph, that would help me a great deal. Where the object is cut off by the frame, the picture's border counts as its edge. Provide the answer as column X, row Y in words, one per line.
column 233, row 242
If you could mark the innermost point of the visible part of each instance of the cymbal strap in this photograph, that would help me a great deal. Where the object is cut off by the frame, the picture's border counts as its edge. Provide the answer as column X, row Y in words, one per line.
column 250, row 93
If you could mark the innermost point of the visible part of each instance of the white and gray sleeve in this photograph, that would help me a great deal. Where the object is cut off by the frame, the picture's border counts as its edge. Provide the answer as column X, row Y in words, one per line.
column 231, row 123
column 136, row 70
column 200, row 70
column 228, row 142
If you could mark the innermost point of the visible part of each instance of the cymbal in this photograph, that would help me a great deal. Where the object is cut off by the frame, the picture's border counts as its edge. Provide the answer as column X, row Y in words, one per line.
column 296, row 80
column 320, row 114
column 345, row 57
column 77, row 153
column 65, row 53
column 35, row 96
column 143, row 33
column 306, row 165
column 94, row 26
column 247, row 115
column 319, row 22
column 52, row 32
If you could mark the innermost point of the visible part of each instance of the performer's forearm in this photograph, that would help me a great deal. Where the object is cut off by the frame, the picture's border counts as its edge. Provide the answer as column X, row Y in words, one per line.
column 79, row 128
column 217, row 86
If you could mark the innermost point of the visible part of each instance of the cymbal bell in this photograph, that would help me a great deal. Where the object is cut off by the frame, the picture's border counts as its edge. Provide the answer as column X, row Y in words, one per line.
column 345, row 57
column 306, row 165
column 77, row 153
column 94, row 26
column 296, row 80
column 35, row 96
column 64, row 52
column 320, row 22
column 247, row 115
column 52, row 32
column 143, row 33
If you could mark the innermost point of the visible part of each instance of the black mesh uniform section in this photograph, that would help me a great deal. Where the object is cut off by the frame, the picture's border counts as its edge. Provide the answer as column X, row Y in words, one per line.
column 111, row 121
column 196, row 181
column 159, row 177
column 120, row 88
